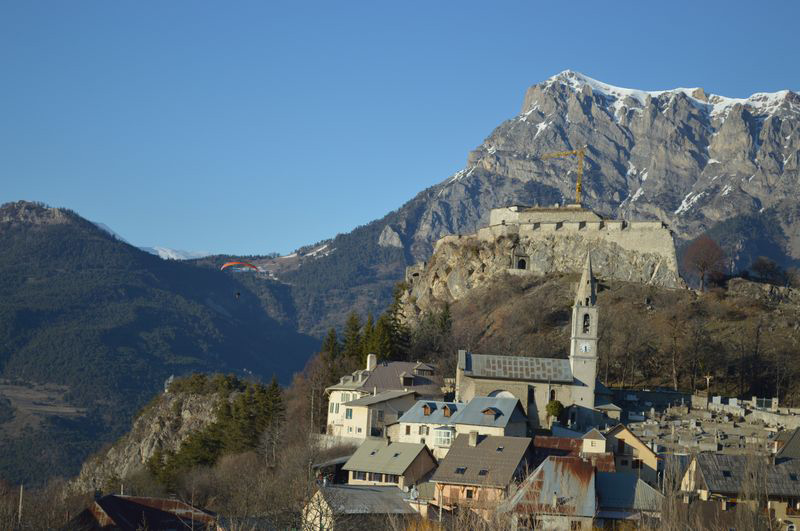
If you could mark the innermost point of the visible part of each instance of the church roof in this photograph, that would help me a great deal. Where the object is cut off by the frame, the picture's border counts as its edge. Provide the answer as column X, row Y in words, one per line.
column 517, row 368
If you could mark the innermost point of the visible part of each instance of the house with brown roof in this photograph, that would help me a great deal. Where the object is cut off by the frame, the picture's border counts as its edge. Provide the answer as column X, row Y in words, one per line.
column 363, row 403
column 385, row 462
column 131, row 513
column 480, row 470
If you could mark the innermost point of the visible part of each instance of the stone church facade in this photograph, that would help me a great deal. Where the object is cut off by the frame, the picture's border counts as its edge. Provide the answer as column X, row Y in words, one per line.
column 537, row 381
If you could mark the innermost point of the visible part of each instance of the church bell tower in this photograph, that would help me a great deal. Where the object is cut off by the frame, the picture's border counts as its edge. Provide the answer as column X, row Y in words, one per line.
column 583, row 344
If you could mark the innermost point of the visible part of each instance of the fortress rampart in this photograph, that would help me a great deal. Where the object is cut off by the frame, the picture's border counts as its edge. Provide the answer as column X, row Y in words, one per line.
column 539, row 240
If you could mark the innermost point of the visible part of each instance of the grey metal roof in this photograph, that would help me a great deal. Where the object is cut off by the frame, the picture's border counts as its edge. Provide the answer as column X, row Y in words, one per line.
column 619, row 490
column 378, row 455
column 504, row 410
column 380, row 397
column 594, row 434
column 358, row 499
column 517, row 368
column 725, row 474
column 560, row 485
column 386, row 376
column 417, row 414
column 499, row 457
column 791, row 448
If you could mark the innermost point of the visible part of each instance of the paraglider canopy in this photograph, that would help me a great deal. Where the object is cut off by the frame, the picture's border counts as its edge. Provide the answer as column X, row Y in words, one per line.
column 240, row 264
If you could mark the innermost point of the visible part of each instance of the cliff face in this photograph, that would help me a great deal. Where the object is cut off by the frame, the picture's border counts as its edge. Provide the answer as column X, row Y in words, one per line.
column 164, row 425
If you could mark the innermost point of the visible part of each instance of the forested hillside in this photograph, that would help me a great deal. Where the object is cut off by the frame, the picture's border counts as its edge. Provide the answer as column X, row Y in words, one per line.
column 104, row 324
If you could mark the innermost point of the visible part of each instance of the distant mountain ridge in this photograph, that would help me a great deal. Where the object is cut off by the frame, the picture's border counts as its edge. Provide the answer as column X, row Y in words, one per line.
column 108, row 323
column 696, row 161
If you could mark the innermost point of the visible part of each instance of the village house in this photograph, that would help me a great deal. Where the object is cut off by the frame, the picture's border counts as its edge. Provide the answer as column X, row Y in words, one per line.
column 355, row 507
column 632, row 455
column 361, row 404
column 384, row 462
column 537, row 381
column 436, row 424
column 131, row 513
column 479, row 471
column 568, row 492
column 731, row 479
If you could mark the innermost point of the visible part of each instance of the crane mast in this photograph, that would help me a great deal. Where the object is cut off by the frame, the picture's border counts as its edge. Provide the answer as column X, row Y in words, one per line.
column 580, row 153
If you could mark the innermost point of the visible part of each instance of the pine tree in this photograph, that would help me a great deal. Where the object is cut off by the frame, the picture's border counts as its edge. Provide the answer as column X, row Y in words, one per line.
column 400, row 335
column 368, row 339
column 331, row 344
column 352, row 337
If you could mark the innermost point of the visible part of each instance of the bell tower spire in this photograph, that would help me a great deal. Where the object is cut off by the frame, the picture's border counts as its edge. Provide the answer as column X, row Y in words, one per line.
column 583, row 344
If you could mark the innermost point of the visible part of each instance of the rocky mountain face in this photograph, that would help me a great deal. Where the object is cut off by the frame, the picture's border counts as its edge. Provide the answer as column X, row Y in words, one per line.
column 163, row 426
column 696, row 161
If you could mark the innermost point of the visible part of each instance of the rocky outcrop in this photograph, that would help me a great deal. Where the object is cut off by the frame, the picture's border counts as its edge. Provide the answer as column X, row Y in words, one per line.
column 390, row 238
column 163, row 425
column 641, row 253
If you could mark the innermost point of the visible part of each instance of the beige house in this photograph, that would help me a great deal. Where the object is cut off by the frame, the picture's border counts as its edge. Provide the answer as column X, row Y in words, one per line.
column 479, row 471
column 383, row 462
column 632, row 455
column 360, row 405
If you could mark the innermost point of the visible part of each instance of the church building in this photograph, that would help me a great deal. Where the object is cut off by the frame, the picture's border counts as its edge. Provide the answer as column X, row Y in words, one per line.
column 537, row 381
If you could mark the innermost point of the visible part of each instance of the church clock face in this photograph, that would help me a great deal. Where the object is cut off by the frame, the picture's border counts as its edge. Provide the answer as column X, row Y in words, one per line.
column 586, row 347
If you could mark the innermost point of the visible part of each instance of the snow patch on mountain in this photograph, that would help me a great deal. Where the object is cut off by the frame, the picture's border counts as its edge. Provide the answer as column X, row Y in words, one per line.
column 175, row 254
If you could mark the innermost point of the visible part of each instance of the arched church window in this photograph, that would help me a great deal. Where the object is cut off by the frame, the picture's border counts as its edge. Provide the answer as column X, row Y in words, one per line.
column 585, row 323
column 521, row 264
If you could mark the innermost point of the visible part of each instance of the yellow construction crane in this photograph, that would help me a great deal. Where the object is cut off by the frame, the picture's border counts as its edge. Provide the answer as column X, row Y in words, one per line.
column 579, row 152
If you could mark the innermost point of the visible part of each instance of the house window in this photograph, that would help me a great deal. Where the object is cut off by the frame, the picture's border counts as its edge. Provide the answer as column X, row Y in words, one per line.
column 726, row 473
column 521, row 264
column 636, row 463
column 483, row 472
column 391, row 478
column 444, row 437
column 469, row 494
column 793, row 477
column 623, row 462
column 330, row 407
column 336, row 408
column 348, row 413
column 575, row 525
column 461, row 470
column 375, row 476
column 345, row 397
column 408, row 429
column 349, row 429
column 408, row 381
column 586, row 323
column 552, row 394
column 380, row 415
column 360, row 475
column 423, row 430
column 499, row 448
column 358, row 430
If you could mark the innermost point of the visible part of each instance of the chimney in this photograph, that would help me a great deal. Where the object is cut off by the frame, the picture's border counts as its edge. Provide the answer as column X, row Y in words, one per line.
column 473, row 438
column 372, row 362
column 374, row 391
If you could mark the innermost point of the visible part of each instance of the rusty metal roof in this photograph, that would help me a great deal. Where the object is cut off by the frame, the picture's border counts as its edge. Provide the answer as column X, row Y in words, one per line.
column 130, row 513
column 558, row 486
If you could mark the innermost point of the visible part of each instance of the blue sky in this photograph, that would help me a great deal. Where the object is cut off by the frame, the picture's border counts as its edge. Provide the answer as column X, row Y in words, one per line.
column 250, row 127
